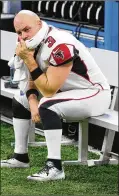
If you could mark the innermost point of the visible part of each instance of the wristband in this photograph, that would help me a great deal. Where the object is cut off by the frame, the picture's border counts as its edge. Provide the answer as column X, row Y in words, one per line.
column 36, row 73
column 32, row 91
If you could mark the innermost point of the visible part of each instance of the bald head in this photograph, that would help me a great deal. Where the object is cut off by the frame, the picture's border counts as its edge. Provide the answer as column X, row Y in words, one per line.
column 27, row 24
column 27, row 13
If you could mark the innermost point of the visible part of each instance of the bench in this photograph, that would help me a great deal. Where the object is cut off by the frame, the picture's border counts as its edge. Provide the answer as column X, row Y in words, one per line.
column 108, row 62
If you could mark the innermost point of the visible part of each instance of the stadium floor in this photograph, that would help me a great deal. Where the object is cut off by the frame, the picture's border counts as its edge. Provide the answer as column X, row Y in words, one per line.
column 80, row 180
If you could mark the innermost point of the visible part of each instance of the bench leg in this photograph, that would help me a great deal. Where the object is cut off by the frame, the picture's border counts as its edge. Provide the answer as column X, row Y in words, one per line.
column 83, row 141
column 106, row 149
column 107, row 145
column 31, row 137
column 82, row 145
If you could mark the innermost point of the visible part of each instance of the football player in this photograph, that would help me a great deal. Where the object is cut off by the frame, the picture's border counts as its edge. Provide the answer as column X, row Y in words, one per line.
column 71, row 83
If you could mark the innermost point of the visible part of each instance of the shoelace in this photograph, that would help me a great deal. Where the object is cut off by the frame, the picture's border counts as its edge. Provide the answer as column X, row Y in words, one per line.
column 46, row 169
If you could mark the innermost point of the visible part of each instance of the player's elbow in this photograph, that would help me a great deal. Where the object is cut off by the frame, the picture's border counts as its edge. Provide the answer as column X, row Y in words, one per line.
column 49, row 93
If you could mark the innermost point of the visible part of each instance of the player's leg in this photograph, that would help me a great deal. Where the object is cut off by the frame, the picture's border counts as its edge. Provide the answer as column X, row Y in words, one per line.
column 21, row 125
column 53, row 132
column 72, row 105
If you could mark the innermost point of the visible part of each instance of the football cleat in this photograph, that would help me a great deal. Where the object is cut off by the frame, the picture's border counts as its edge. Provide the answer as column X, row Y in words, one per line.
column 13, row 163
column 48, row 173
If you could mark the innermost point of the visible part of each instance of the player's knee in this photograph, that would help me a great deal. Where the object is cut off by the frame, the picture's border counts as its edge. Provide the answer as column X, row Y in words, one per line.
column 49, row 118
column 19, row 111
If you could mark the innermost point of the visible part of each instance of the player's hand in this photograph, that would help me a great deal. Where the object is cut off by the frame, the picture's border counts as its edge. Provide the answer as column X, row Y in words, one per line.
column 34, row 110
column 23, row 52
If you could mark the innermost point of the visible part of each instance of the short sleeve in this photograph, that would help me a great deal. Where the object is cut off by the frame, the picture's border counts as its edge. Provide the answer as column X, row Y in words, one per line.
column 61, row 54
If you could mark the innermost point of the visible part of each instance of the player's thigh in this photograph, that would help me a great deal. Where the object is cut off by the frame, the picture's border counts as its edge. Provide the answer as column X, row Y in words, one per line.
column 85, row 106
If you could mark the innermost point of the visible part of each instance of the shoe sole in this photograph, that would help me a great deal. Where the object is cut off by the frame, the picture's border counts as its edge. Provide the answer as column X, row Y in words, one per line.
column 13, row 166
column 44, row 179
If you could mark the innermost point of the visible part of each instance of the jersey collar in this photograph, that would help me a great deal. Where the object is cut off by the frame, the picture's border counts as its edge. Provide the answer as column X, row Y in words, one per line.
column 39, row 37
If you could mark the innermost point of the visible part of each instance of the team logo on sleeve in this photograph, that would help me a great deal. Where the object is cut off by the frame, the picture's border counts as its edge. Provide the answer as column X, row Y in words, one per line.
column 61, row 54
column 58, row 54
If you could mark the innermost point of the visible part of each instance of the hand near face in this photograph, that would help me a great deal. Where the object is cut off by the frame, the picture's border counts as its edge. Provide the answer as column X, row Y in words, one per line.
column 23, row 52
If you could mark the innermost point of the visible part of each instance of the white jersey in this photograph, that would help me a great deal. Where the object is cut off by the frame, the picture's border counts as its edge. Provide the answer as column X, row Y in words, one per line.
column 61, row 47
column 82, row 91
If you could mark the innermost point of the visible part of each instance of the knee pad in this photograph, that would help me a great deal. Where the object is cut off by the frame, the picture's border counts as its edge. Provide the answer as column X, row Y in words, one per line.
column 19, row 111
column 49, row 118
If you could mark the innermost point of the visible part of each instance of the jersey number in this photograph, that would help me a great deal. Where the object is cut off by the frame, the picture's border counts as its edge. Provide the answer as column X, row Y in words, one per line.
column 50, row 40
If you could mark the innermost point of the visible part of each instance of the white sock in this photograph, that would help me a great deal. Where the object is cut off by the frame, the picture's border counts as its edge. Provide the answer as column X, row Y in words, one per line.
column 21, row 130
column 53, row 140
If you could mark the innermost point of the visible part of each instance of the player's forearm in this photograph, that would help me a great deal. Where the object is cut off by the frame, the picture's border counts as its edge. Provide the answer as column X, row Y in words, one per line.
column 31, row 86
column 43, row 82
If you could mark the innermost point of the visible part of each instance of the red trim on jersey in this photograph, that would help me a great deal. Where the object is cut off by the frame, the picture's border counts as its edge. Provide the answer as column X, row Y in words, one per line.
column 99, row 85
column 89, row 80
column 89, row 77
column 70, row 99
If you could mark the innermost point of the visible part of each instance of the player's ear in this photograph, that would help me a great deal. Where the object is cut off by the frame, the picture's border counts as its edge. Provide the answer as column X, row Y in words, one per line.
column 39, row 23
